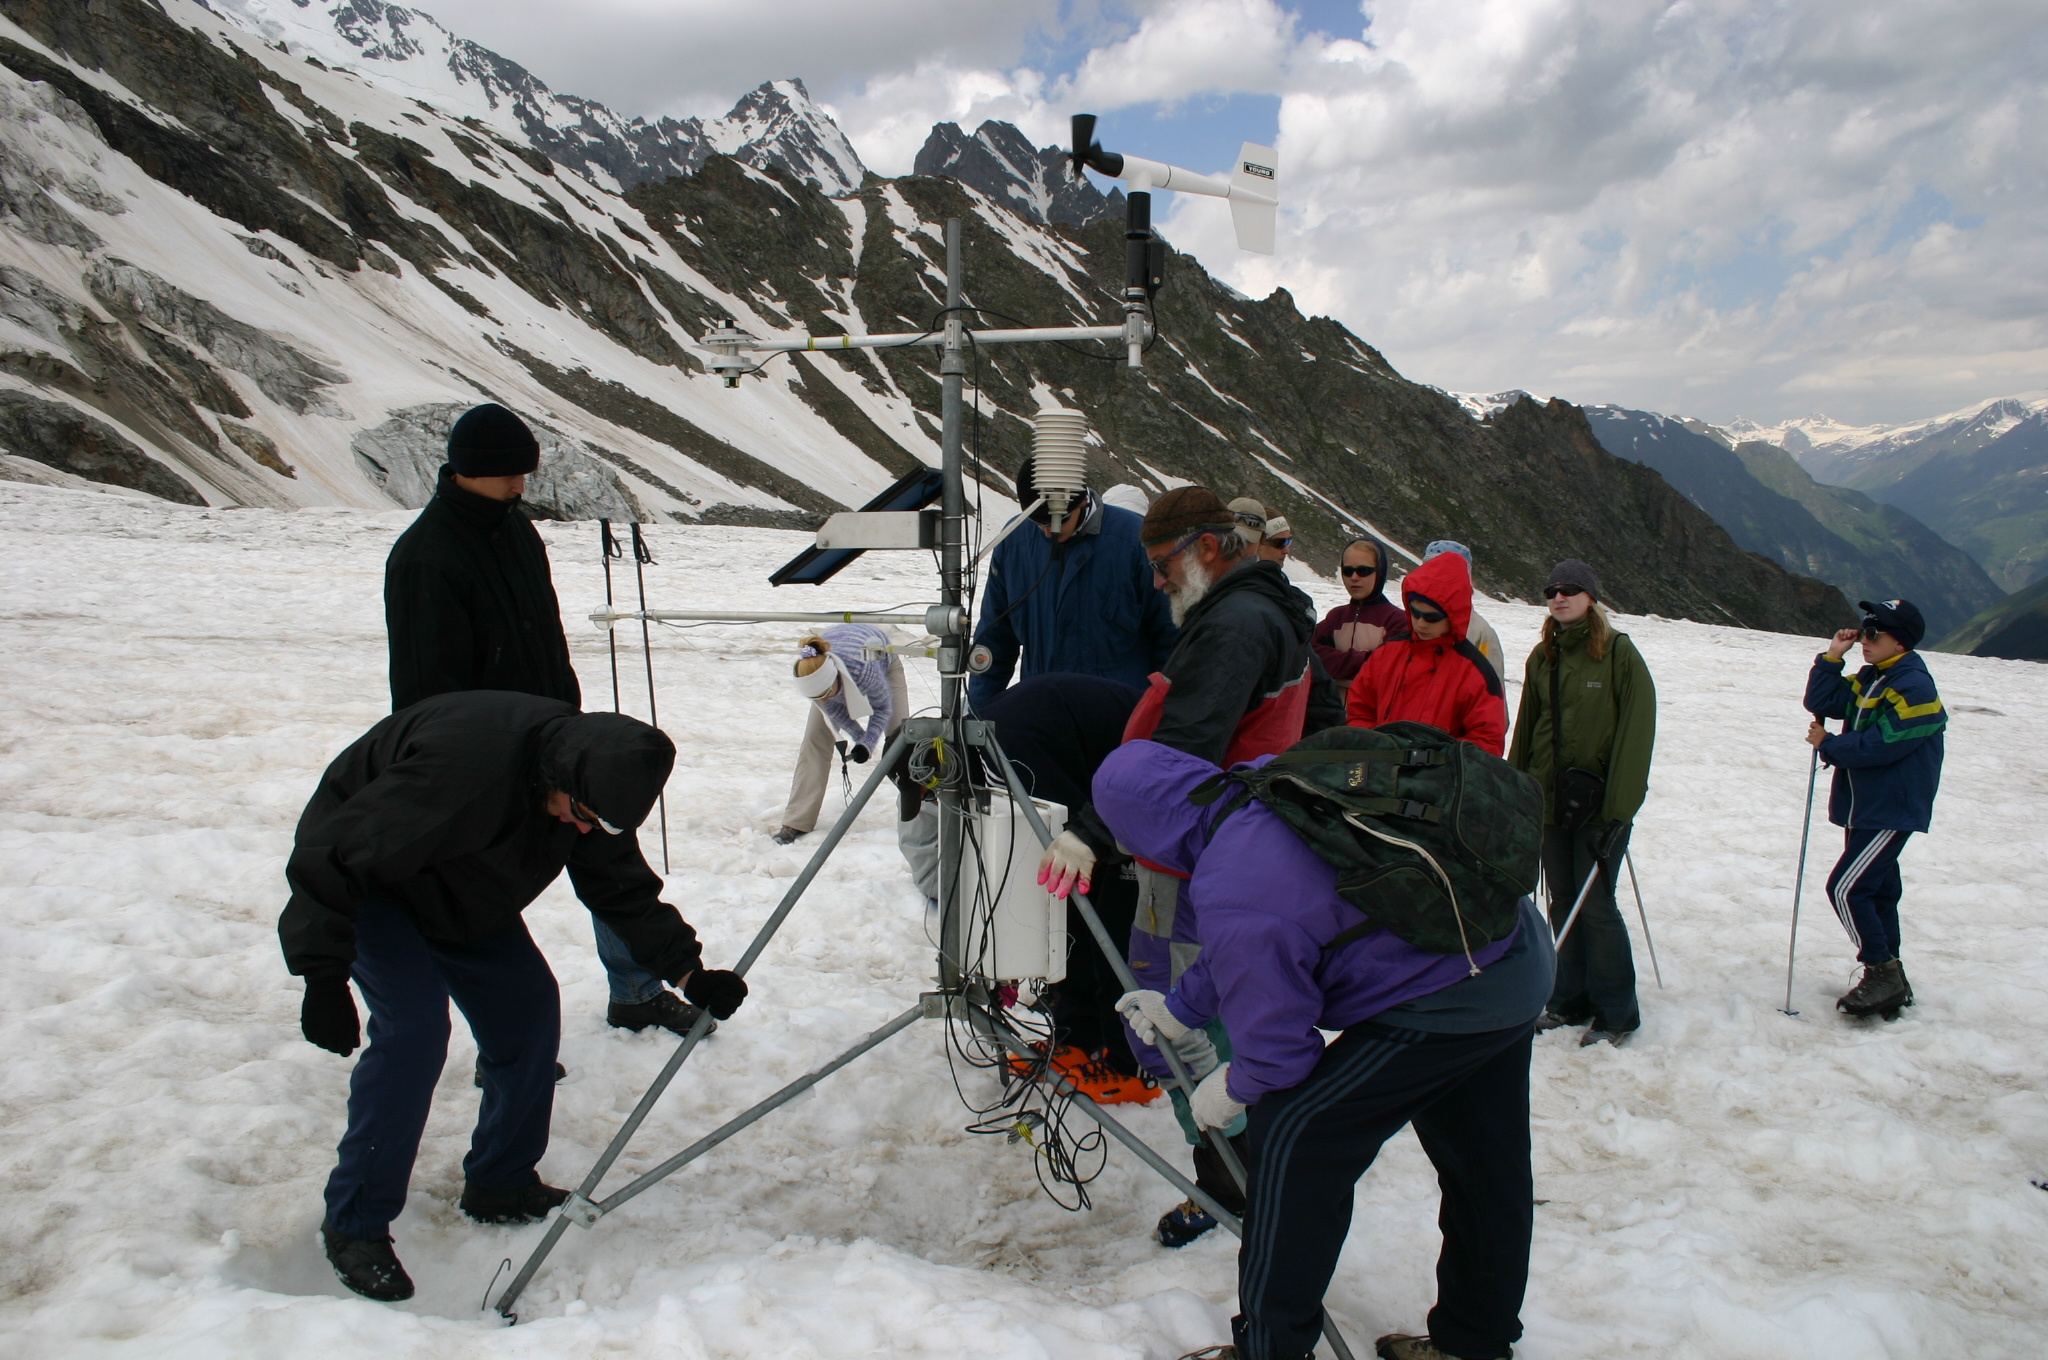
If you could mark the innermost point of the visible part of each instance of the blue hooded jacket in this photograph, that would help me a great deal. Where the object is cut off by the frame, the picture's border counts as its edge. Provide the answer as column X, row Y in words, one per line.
column 1093, row 612
column 1887, row 758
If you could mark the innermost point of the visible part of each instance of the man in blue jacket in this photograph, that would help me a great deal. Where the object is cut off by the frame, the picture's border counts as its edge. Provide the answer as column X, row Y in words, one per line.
column 1426, row 1040
column 1887, row 761
column 1079, row 600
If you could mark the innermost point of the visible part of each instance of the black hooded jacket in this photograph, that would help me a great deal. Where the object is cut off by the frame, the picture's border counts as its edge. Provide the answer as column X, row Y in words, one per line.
column 1240, row 647
column 469, row 604
column 438, row 809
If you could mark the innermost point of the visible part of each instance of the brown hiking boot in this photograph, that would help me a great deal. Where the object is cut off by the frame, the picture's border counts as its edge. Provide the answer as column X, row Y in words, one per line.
column 1395, row 1346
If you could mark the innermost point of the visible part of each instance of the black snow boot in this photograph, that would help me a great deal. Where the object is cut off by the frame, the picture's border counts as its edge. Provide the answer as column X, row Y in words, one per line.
column 667, row 1009
column 368, row 1266
column 1882, row 991
column 524, row 1204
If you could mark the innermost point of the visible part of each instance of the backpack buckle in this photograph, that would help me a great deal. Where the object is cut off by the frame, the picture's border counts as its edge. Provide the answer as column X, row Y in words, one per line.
column 1424, row 758
column 1419, row 811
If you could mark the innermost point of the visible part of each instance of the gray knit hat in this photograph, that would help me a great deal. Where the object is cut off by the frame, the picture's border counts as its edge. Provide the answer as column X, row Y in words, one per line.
column 1573, row 572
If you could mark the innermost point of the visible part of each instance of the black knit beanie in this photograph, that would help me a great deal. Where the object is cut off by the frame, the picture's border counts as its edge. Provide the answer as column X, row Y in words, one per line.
column 489, row 441
column 1573, row 572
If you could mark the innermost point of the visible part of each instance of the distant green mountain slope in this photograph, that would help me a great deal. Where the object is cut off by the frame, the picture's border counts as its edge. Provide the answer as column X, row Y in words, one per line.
column 1770, row 506
column 2016, row 628
column 1991, row 501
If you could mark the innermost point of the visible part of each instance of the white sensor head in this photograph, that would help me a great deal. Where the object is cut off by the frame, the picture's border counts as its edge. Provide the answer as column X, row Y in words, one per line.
column 1059, row 459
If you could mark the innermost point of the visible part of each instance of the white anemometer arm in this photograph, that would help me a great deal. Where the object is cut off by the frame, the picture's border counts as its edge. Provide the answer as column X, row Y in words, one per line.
column 1252, row 188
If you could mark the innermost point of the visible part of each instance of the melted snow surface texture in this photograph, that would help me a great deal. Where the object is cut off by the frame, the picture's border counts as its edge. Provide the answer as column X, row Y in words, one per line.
column 1736, row 1185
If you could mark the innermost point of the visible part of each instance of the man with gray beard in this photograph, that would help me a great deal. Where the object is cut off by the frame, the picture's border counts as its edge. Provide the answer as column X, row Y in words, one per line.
column 1237, row 685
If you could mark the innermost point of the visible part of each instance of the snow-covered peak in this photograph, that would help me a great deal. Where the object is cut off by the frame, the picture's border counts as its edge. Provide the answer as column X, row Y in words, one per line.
column 1824, row 434
column 1485, row 405
column 410, row 53
column 1034, row 182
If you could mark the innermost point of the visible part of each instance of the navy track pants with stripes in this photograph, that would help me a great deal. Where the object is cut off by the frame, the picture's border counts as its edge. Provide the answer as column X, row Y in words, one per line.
column 1468, row 1097
column 1865, row 888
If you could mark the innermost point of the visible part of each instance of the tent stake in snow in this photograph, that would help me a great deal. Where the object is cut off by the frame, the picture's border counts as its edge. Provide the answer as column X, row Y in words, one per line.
column 1799, row 880
column 642, row 559
column 1628, row 858
column 1570, row 920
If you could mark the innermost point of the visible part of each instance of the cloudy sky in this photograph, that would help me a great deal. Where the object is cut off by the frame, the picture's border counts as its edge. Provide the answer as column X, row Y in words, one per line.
column 1717, row 207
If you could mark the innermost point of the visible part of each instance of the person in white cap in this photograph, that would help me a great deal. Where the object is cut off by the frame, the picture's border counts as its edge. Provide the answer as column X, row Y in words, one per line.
column 859, row 694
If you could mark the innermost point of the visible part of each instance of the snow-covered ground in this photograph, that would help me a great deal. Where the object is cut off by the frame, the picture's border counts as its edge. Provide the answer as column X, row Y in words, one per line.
column 1736, row 1185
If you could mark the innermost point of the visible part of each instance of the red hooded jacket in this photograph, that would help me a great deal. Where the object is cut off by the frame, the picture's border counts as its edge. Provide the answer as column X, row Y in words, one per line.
column 1445, row 683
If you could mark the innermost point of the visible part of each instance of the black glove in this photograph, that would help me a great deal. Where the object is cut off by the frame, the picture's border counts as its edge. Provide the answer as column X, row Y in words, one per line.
column 327, row 1017
column 1610, row 841
column 860, row 754
column 717, row 991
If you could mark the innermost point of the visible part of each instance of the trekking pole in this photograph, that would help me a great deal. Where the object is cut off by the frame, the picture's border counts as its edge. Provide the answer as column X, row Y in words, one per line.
column 1587, row 888
column 1799, row 882
column 1628, row 858
column 1218, row 1140
column 608, row 548
column 642, row 559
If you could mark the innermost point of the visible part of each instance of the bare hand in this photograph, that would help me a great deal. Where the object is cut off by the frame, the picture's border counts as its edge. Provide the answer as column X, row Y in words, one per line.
column 1843, row 641
column 1366, row 637
column 1816, row 734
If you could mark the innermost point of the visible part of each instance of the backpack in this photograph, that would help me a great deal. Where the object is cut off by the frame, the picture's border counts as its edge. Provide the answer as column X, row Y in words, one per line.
column 1431, row 837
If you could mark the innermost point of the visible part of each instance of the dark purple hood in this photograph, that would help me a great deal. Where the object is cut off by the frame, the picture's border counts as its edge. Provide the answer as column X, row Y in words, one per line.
column 1141, row 794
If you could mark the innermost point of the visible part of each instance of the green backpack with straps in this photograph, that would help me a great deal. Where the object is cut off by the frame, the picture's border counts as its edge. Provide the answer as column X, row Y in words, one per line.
column 1431, row 837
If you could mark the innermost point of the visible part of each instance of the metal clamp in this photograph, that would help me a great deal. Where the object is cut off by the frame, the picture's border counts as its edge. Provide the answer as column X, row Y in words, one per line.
column 580, row 1211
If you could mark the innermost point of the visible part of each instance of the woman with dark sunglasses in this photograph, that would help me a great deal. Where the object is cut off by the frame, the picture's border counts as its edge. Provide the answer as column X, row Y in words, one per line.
column 1594, row 766
column 1353, row 630
column 1435, row 676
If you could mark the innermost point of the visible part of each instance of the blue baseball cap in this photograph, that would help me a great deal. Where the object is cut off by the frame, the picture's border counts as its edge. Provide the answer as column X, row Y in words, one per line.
column 1444, row 545
column 1897, row 617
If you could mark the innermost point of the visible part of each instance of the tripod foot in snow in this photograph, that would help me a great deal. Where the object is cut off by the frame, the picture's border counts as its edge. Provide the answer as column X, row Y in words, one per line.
column 1883, row 991
column 368, row 1266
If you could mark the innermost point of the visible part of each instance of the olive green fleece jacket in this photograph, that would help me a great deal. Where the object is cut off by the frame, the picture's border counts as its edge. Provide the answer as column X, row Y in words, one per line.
column 1610, row 720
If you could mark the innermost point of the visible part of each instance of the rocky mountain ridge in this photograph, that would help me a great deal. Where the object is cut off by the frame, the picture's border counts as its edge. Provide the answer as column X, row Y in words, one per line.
column 408, row 52
column 234, row 275
column 1036, row 183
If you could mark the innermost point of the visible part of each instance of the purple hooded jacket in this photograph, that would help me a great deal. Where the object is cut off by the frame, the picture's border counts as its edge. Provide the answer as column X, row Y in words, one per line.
column 1268, row 905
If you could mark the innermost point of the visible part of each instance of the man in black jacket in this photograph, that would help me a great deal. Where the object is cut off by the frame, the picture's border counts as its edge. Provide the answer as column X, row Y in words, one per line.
column 424, row 842
column 469, row 604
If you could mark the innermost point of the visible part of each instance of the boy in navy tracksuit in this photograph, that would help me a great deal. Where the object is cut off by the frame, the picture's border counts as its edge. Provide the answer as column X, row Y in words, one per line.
column 1887, row 761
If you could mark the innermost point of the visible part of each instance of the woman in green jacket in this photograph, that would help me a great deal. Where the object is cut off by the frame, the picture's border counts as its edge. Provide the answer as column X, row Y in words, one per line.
column 1593, row 780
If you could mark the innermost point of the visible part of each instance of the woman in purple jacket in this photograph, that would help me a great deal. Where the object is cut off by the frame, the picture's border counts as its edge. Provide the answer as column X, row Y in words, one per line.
column 1426, row 1040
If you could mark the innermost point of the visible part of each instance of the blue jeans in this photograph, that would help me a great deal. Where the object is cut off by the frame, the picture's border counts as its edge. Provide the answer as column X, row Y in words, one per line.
column 1596, row 968
column 630, row 983
column 504, row 989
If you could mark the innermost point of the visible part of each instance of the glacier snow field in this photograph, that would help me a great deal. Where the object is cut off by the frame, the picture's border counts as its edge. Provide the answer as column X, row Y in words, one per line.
column 1734, row 1185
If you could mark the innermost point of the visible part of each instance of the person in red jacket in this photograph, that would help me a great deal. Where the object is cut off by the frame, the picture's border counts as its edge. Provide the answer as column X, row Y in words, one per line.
column 1434, row 676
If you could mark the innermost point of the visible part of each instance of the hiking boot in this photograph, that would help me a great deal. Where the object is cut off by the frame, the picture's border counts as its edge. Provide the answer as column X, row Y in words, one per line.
column 1596, row 1035
column 1395, row 1346
column 787, row 835
column 665, row 1008
column 1882, row 991
column 1551, row 1020
column 476, row 1075
column 1183, row 1223
column 521, row 1204
column 367, row 1265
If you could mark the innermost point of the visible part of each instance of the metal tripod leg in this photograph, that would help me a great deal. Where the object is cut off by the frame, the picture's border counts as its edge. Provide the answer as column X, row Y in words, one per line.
column 690, row 1040
column 1217, row 1139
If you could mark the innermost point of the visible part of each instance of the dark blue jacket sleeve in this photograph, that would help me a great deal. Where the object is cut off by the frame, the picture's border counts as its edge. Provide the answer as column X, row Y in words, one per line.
column 1828, row 694
column 995, row 632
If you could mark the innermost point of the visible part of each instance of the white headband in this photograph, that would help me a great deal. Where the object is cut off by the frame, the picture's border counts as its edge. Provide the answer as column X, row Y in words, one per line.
column 820, row 681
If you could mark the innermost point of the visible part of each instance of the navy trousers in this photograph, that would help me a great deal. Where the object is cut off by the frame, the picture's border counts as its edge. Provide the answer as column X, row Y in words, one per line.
column 1468, row 1097
column 1596, row 968
column 506, row 991
column 1865, row 889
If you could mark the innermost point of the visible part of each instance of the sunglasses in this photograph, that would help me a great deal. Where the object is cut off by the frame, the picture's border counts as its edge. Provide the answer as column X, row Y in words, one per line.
column 1552, row 592
column 1358, row 571
column 1872, row 633
column 1424, row 615
column 1159, row 563
column 1283, row 544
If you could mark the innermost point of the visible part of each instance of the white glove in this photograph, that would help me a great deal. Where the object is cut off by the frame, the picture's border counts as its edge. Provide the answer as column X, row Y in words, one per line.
column 1212, row 1106
column 1150, row 1016
column 1068, row 864
column 1197, row 1053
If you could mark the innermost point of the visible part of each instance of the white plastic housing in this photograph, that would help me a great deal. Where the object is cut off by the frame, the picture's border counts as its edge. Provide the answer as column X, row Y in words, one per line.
column 1025, row 936
column 1059, row 457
